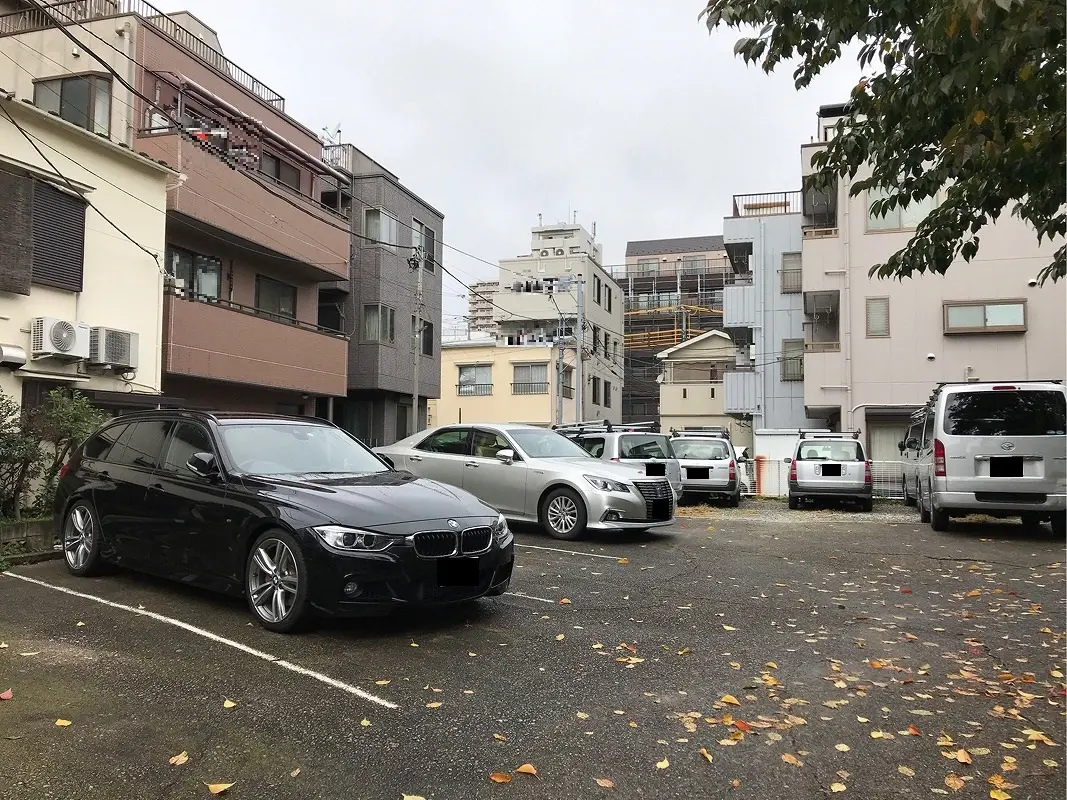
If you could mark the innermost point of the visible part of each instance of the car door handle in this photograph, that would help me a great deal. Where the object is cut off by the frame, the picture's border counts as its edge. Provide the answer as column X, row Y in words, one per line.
column 156, row 487
column 471, row 464
column 415, row 458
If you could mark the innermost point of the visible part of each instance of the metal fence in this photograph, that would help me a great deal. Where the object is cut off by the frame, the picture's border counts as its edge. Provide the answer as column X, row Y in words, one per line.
column 766, row 477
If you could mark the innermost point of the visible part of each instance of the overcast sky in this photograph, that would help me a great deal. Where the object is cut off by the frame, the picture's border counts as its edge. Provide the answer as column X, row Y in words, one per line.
column 493, row 111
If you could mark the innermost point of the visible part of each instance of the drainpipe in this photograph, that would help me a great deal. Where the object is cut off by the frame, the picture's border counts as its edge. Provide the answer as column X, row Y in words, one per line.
column 846, row 301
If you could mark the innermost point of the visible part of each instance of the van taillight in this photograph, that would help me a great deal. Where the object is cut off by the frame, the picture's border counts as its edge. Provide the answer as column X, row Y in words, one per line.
column 939, row 458
column 792, row 470
column 1005, row 388
column 867, row 477
column 614, row 459
column 733, row 470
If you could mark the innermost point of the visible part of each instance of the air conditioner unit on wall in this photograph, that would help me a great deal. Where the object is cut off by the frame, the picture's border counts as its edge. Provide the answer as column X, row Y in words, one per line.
column 59, row 339
column 113, row 348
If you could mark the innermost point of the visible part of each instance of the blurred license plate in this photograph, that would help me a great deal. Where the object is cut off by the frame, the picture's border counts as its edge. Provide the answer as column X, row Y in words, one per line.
column 457, row 572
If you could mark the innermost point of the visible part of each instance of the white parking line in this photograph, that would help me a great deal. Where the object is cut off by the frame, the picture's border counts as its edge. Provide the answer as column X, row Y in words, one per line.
column 531, row 597
column 344, row 687
column 569, row 552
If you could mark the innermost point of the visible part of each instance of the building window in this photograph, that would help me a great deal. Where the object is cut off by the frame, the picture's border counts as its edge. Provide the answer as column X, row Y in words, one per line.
column 692, row 265
column 898, row 218
column 647, row 266
column 1002, row 316
column 792, row 359
column 427, row 338
column 596, row 391
column 275, row 298
column 201, row 275
column 379, row 323
column 607, row 304
column 84, row 100
column 877, row 317
column 58, row 236
column 596, row 289
column 279, row 169
column 791, row 273
column 530, row 379
column 607, row 394
column 568, row 382
column 424, row 237
column 475, row 380
column 381, row 228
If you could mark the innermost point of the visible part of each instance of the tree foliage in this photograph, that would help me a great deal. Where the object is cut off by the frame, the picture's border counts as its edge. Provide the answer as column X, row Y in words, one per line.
column 964, row 96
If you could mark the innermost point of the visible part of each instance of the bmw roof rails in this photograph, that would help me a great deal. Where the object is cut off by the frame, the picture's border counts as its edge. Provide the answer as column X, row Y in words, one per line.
column 837, row 435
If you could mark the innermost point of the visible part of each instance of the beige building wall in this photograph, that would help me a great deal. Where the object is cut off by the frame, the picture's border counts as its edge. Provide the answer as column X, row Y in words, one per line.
column 502, row 402
column 122, row 285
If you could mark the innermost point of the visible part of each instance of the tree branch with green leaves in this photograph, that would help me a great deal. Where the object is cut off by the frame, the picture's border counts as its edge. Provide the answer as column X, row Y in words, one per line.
column 962, row 97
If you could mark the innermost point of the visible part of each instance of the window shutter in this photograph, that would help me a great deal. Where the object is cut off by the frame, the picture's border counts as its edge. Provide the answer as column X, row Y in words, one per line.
column 877, row 316
column 58, row 238
column 16, row 233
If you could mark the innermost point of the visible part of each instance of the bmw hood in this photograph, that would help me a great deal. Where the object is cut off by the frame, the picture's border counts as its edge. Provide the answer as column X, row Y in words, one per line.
column 374, row 500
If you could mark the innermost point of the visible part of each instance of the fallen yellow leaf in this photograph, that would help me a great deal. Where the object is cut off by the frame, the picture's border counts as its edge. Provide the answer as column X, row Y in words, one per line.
column 605, row 783
column 560, row 637
column 663, row 764
column 433, row 705
column 218, row 788
column 527, row 769
column 34, row 653
column 1048, row 762
column 963, row 756
column 729, row 628
column 296, row 772
column 730, row 699
column 365, row 722
column 500, row 777
column 412, row 797
column 954, row 782
column 64, row 723
column 598, row 646
column 582, row 715
column 789, row 758
column 179, row 759
column 80, row 625
column 862, row 719
column 500, row 737
column 877, row 735
column 771, row 664
column 906, row 771
column 974, row 593
column 837, row 787
column 382, row 683
column 704, row 752
column 228, row 704
column 999, row 794
column 564, row 602
column 414, row 644
column 844, row 748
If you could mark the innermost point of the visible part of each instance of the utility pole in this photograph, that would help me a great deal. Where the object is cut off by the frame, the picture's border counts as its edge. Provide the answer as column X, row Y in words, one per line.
column 579, row 337
column 415, row 263
column 559, row 372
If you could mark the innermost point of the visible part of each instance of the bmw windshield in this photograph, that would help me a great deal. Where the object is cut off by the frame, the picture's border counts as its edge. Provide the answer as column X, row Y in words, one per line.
column 294, row 448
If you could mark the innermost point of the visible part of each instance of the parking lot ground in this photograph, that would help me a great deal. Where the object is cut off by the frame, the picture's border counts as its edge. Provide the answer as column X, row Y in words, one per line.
column 750, row 653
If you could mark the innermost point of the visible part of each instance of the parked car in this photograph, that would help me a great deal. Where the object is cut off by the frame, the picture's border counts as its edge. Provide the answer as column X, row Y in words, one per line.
column 909, row 459
column 293, row 513
column 709, row 466
column 532, row 474
column 632, row 446
column 998, row 449
column 830, row 466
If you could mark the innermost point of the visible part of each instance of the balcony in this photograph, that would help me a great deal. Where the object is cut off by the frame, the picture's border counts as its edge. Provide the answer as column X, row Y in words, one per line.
column 529, row 388
column 228, row 342
column 822, row 347
column 217, row 197
column 568, row 392
column 743, row 392
column 767, row 204
column 792, row 280
column 474, row 389
column 78, row 11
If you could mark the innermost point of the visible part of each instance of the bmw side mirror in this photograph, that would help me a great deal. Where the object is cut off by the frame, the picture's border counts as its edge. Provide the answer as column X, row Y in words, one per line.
column 203, row 464
column 507, row 456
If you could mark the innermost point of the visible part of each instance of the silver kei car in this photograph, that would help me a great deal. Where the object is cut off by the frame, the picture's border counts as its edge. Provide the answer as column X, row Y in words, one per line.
column 532, row 474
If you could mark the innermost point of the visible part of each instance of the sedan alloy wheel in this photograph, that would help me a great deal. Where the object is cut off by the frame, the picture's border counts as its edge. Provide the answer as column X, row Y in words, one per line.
column 275, row 582
column 81, row 540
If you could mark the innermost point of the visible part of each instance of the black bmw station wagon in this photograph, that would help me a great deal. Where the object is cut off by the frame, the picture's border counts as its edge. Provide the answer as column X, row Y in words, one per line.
column 291, row 512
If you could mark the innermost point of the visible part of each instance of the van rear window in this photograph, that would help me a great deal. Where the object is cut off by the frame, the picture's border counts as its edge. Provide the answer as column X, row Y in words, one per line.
column 645, row 445
column 1006, row 413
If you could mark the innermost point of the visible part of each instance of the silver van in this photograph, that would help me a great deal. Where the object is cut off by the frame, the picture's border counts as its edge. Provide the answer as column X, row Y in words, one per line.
column 710, row 466
column 998, row 449
column 830, row 466
column 909, row 458
column 646, row 449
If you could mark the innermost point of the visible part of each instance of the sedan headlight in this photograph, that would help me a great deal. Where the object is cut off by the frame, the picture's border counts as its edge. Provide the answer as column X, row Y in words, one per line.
column 607, row 484
column 356, row 540
column 500, row 528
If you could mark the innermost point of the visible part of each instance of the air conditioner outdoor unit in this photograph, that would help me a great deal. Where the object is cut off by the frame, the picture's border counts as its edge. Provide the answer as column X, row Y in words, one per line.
column 59, row 339
column 113, row 348
column 559, row 251
column 544, row 252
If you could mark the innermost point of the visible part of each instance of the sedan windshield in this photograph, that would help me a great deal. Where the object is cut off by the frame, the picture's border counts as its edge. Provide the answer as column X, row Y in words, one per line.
column 547, row 444
column 288, row 448
column 703, row 449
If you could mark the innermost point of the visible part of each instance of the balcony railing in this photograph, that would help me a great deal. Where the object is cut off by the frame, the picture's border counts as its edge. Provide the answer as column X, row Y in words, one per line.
column 252, row 311
column 474, row 389
column 696, row 266
column 791, row 281
column 768, row 204
column 822, row 347
column 792, row 369
column 568, row 392
column 85, row 10
column 529, row 388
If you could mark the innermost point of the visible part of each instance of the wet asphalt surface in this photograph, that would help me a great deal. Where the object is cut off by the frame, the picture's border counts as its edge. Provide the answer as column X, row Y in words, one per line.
column 806, row 653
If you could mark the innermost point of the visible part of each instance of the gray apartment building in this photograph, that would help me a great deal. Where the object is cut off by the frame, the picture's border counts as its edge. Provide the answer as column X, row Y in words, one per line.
column 376, row 307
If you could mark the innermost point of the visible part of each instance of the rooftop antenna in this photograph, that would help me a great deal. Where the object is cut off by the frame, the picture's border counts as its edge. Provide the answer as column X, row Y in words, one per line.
column 332, row 136
column 575, row 217
column 594, row 229
column 539, row 222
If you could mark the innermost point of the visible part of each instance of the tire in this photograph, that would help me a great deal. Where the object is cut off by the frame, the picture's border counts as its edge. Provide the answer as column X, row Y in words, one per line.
column 794, row 502
column 908, row 499
column 1059, row 525
column 734, row 501
column 82, row 539
column 939, row 519
column 282, row 604
column 924, row 514
column 867, row 505
column 564, row 506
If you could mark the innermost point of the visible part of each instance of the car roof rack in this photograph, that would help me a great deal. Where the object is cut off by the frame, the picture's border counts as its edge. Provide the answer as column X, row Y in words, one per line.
column 602, row 426
column 837, row 435
column 711, row 431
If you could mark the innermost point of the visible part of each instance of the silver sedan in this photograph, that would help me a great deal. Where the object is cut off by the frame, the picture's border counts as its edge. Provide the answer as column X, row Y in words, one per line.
column 532, row 474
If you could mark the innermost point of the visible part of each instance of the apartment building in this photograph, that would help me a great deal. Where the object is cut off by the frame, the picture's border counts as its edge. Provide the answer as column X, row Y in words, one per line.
column 248, row 240
column 873, row 349
column 538, row 302
column 485, row 381
column 691, row 386
column 673, row 292
column 480, row 307
column 396, row 236
column 763, row 309
column 81, row 306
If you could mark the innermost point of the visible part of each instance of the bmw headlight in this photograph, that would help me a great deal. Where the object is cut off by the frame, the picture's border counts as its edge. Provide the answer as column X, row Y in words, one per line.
column 500, row 528
column 340, row 537
column 607, row 484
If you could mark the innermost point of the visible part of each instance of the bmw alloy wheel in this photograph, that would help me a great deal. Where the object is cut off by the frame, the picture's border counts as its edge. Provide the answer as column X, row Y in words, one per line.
column 78, row 537
column 273, row 580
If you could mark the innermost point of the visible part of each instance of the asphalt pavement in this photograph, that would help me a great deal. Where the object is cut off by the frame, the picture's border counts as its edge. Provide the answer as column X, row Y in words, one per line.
column 751, row 653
